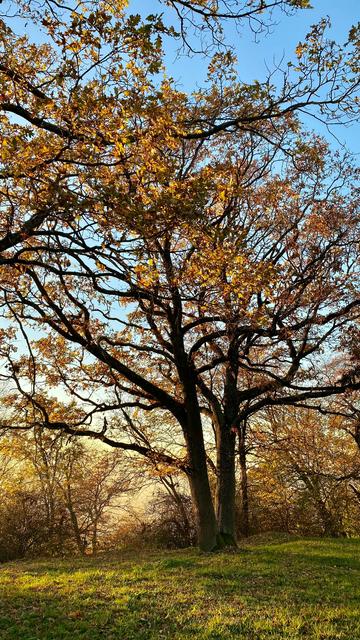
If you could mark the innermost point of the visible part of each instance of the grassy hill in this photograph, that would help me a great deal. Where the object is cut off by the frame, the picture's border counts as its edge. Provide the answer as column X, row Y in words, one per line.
column 272, row 589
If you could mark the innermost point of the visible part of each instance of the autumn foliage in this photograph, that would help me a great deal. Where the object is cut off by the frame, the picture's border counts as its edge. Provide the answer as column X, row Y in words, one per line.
column 173, row 264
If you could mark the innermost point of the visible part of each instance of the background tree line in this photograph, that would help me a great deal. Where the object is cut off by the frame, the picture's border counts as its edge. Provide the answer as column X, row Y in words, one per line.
column 62, row 496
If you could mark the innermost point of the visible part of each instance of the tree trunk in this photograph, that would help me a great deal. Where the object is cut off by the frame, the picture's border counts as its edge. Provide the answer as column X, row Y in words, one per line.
column 312, row 483
column 207, row 530
column 225, row 447
column 94, row 538
column 225, row 487
column 74, row 521
column 203, row 505
column 245, row 524
column 330, row 527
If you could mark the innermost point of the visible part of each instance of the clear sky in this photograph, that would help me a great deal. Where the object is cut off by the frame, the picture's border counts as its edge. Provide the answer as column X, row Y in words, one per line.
column 279, row 43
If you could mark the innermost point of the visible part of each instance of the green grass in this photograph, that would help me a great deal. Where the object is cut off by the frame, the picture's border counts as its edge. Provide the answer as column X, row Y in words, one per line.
column 293, row 589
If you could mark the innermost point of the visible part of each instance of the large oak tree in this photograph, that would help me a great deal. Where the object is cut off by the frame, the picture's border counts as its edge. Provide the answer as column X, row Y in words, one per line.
column 190, row 255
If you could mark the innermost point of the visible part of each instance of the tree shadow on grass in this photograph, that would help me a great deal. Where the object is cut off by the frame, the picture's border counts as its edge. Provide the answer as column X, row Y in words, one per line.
column 311, row 592
column 284, row 592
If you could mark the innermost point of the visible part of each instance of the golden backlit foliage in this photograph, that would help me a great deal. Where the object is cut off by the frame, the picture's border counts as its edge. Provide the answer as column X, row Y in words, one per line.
column 189, row 256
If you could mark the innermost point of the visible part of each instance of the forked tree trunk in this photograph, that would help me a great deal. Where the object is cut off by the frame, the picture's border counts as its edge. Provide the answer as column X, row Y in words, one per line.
column 202, row 500
column 225, row 487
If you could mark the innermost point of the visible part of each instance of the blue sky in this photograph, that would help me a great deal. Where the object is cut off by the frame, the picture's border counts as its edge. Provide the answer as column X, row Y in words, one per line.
column 280, row 43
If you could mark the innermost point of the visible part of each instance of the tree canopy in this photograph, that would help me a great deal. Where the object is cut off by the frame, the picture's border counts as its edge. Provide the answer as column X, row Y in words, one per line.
column 193, row 257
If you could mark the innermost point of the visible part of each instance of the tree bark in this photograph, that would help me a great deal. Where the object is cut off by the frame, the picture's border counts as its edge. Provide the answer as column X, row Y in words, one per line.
column 225, row 446
column 330, row 528
column 81, row 545
column 202, row 500
column 225, row 487
column 94, row 539
column 203, row 505
column 207, row 529
column 245, row 519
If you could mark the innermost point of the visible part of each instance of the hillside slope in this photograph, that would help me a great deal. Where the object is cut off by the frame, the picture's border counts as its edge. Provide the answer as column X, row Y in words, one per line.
column 308, row 589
